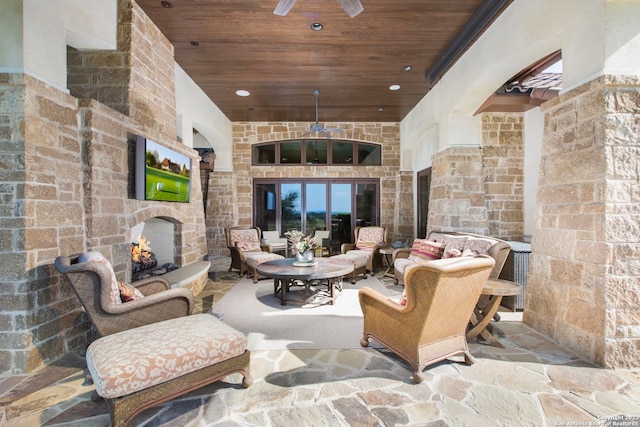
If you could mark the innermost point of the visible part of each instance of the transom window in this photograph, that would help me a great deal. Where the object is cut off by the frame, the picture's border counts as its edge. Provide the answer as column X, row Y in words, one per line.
column 317, row 152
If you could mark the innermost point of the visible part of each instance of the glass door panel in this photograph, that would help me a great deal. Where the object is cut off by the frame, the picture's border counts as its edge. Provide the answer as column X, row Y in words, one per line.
column 315, row 207
column 290, row 203
column 424, row 188
column 341, row 208
column 266, row 212
column 366, row 204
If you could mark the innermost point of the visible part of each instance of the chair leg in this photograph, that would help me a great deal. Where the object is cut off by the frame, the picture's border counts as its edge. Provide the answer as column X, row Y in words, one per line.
column 468, row 358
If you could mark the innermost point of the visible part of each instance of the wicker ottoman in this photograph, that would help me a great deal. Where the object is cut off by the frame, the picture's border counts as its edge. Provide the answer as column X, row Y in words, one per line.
column 143, row 367
column 359, row 264
column 254, row 259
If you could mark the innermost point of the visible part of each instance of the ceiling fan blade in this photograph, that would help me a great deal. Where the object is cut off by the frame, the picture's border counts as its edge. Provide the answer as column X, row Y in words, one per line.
column 334, row 130
column 284, row 6
column 352, row 7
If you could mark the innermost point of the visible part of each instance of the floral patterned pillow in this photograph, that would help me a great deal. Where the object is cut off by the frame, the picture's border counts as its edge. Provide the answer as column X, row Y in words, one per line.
column 128, row 292
column 114, row 293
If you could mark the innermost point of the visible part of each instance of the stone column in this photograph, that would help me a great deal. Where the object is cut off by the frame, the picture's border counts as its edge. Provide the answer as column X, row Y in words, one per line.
column 457, row 198
column 221, row 210
column 503, row 169
column 582, row 288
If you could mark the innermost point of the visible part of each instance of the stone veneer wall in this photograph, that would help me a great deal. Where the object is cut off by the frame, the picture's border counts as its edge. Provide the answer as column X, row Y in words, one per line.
column 582, row 288
column 503, row 170
column 67, row 186
column 457, row 198
column 230, row 195
column 480, row 190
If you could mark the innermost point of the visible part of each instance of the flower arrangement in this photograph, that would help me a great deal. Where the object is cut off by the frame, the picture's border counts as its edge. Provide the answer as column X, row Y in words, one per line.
column 300, row 242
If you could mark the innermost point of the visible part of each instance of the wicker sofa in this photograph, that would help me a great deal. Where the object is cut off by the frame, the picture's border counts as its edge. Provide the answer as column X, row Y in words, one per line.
column 423, row 250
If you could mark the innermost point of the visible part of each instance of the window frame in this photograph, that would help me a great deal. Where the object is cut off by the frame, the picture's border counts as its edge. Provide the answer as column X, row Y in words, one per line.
column 328, row 154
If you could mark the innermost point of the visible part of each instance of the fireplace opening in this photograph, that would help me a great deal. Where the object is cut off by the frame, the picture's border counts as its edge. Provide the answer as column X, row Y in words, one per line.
column 147, row 261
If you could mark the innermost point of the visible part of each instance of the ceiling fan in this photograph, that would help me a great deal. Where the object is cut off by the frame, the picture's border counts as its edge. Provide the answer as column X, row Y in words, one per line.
column 352, row 7
column 317, row 127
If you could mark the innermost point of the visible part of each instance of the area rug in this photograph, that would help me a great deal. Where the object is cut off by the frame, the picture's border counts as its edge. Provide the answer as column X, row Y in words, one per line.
column 254, row 310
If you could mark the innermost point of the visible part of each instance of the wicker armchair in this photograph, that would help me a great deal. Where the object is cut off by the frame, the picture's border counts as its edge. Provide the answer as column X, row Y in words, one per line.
column 93, row 280
column 368, row 241
column 246, row 250
column 440, row 298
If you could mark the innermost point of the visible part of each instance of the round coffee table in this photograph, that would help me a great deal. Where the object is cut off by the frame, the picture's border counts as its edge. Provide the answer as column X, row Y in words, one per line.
column 284, row 274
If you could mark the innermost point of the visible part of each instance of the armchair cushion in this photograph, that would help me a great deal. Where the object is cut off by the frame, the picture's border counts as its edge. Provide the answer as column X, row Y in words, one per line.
column 247, row 240
column 369, row 238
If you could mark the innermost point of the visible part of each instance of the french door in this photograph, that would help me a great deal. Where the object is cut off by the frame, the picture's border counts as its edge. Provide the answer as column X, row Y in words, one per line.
column 424, row 189
column 315, row 204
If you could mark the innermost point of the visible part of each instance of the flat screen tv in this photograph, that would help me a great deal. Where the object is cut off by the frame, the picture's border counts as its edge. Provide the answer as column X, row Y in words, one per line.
column 161, row 173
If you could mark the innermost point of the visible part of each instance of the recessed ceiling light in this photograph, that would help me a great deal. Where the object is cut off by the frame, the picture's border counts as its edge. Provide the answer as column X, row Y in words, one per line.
column 316, row 26
column 242, row 92
column 406, row 67
column 394, row 87
column 380, row 109
column 166, row 4
column 195, row 43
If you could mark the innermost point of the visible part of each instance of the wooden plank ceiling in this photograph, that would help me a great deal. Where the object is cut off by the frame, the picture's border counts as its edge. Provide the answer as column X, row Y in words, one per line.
column 227, row 45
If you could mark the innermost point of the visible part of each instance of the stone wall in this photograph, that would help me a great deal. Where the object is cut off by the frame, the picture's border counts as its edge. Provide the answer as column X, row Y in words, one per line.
column 396, row 198
column 68, row 186
column 457, row 198
column 503, row 170
column 480, row 190
column 582, row 288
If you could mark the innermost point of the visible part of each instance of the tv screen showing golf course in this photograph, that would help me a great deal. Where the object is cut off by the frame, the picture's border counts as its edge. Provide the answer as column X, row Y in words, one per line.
column 161, row 173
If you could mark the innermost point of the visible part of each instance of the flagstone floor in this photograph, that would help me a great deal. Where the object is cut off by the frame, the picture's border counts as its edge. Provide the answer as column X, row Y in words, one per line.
column 531, row 382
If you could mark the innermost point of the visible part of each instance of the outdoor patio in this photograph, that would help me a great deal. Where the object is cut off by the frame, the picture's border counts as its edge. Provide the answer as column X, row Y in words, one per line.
column 531, row 382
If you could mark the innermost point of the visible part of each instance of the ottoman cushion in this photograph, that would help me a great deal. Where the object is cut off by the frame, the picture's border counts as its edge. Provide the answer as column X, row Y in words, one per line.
column 256, row 258
column 139, row 358
column 358, row 260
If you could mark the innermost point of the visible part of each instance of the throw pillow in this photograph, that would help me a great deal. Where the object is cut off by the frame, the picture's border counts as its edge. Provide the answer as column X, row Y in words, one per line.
column 479, row 245
column 248, row 246
column 424, row 250
column 469, row 252
column 451, row 253
column 451, row 242
column 128, row 292
column 114, row 293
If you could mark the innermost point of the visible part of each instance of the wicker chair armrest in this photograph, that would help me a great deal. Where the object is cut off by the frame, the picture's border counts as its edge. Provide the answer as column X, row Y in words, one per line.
column 375, row 301
column 267, row 248
column 401, row 253
column 174, row 302
column 347, row 247
column 152, row 285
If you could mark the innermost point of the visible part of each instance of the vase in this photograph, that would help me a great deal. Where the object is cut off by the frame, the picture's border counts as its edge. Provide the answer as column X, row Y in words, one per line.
column 306, row 256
